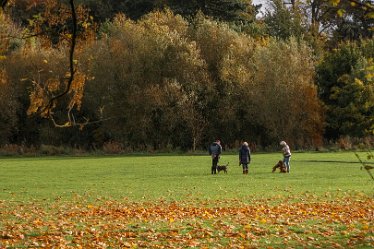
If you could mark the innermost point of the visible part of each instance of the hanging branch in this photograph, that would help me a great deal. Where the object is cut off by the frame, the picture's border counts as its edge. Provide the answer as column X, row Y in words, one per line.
column 48, row 108
column 366, row 166
column 71, row 61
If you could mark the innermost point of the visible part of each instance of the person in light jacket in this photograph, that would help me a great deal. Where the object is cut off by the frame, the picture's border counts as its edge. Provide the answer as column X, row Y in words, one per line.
column 286, row 155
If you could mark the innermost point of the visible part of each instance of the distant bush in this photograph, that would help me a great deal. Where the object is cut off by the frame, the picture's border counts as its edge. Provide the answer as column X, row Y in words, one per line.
column 349, row 143
column 15, row 149
column 54, row 150
column 113, row 147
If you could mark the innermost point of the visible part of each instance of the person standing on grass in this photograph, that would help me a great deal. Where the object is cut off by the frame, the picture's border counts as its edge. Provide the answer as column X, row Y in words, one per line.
column 215, row 150
column 286, row 155
column 244, row 157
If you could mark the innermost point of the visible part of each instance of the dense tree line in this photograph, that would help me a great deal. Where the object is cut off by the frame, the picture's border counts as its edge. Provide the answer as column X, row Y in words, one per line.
column 177, row 74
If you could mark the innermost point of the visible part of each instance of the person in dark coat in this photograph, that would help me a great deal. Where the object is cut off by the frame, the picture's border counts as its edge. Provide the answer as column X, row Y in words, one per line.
column 215, row 150
column 244, row 157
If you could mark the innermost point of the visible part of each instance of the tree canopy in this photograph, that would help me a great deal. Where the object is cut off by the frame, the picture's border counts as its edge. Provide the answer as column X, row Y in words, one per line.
column 176, row 74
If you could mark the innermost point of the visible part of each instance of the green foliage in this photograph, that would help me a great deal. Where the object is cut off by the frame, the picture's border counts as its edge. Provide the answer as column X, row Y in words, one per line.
column 345, row 80
column 231, row 11
column 352, row 21
column 283, row 22
column 224, row 10
column 354, row 97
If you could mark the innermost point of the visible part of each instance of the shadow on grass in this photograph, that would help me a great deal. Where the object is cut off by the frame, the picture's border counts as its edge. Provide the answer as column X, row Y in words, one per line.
column 328, row 161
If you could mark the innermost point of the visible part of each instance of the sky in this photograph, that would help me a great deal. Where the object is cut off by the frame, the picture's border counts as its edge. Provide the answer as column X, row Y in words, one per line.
column 264, row 5
column 259, row 1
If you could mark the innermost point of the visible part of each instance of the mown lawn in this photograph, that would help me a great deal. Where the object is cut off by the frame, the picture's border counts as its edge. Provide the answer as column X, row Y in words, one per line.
column 177, row 177
column 172, row 201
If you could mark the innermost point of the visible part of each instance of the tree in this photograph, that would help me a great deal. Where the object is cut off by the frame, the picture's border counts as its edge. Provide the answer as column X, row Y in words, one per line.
column 353, row 111
column 59, row 23
column 8, row 93
column 321, row 23
column 9, row 107
column 255, row 82
column 215, row 40
column 345, row 84
column 283, row 22
column 162, row 81
column 8, row 36
column 353, row 23
column 222, row 10
column 284, row 96
column 155, row 82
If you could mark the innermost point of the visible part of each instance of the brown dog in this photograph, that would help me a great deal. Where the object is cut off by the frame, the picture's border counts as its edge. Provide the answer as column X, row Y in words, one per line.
column 281, row 166
column 222, row 168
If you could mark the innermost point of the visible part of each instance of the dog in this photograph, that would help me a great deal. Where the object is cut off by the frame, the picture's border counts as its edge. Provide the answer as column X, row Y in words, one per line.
column 281, row 166
column 222, row 168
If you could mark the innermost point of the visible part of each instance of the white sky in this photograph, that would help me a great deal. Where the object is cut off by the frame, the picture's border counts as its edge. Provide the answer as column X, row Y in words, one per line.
column 264, row 6
column 263, row 2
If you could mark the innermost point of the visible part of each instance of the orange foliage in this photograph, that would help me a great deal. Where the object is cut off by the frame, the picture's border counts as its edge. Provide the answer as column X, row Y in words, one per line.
column 218, row 224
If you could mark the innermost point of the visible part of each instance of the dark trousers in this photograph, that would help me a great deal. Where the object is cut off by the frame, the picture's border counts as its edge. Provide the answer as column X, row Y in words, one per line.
column 214, row 164
column 245, row 168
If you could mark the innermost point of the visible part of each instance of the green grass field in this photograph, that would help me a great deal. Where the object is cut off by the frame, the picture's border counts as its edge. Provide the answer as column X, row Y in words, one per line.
column 172, row 201
column 178, row 177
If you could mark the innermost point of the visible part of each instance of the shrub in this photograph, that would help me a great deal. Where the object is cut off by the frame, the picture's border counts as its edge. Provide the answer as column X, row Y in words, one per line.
column 52, row 150
column 113, row 147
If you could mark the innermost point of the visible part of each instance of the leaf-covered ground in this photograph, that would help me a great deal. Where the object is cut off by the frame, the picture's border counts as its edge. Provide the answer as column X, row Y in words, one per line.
column 345, row 222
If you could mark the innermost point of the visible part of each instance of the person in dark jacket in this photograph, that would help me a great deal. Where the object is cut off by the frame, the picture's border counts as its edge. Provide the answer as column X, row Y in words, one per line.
column 244, row 157
column 215, row 150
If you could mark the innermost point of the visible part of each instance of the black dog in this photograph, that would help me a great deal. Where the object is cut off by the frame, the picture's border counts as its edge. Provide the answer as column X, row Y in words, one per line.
column 281, row 166
column 222, row 168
